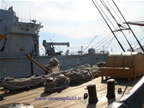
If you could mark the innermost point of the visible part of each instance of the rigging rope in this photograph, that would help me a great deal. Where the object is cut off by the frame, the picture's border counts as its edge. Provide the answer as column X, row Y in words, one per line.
column 114, row 11
column 89, row 43
column 138, row 18
column 118, row 24
column 104, row 43
column 106, row 7
column 129, row 26
column 105, row 14
column 140, row 39
column 109, row 43
column 101, row 41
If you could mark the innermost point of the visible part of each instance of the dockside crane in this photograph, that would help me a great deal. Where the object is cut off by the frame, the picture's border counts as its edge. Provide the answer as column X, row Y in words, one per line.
column 49, row 47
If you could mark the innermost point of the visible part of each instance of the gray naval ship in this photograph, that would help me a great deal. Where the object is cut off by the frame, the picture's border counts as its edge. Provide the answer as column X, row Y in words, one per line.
column 18, row 38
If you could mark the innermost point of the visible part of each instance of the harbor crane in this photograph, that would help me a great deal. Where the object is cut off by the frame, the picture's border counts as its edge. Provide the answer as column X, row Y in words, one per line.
column 49, row 47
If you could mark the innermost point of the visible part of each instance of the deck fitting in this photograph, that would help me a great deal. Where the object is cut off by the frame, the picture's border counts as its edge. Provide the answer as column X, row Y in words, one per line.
column 110, row 89
column 92, row 94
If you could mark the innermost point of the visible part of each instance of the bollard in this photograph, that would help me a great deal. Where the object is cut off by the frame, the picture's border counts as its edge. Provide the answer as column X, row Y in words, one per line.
column 110, row 89
column 92, row 94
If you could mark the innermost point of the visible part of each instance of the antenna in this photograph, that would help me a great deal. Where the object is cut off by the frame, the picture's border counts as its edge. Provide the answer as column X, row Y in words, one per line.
column 30, row 12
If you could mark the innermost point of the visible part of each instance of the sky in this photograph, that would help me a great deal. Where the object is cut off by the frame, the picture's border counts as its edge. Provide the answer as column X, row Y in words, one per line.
column 77, row 22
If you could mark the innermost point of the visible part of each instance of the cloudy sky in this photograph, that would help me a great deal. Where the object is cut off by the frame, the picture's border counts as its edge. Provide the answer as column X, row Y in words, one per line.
column 76, row 21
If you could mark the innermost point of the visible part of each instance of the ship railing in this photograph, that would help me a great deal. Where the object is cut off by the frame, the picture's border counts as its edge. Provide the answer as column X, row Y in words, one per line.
column 23, row 20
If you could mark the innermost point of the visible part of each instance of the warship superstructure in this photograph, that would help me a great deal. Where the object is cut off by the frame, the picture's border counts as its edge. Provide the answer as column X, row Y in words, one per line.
column 18, row 38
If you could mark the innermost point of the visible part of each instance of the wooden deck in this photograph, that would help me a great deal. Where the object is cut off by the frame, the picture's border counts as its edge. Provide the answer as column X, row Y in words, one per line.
column 38, row 99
